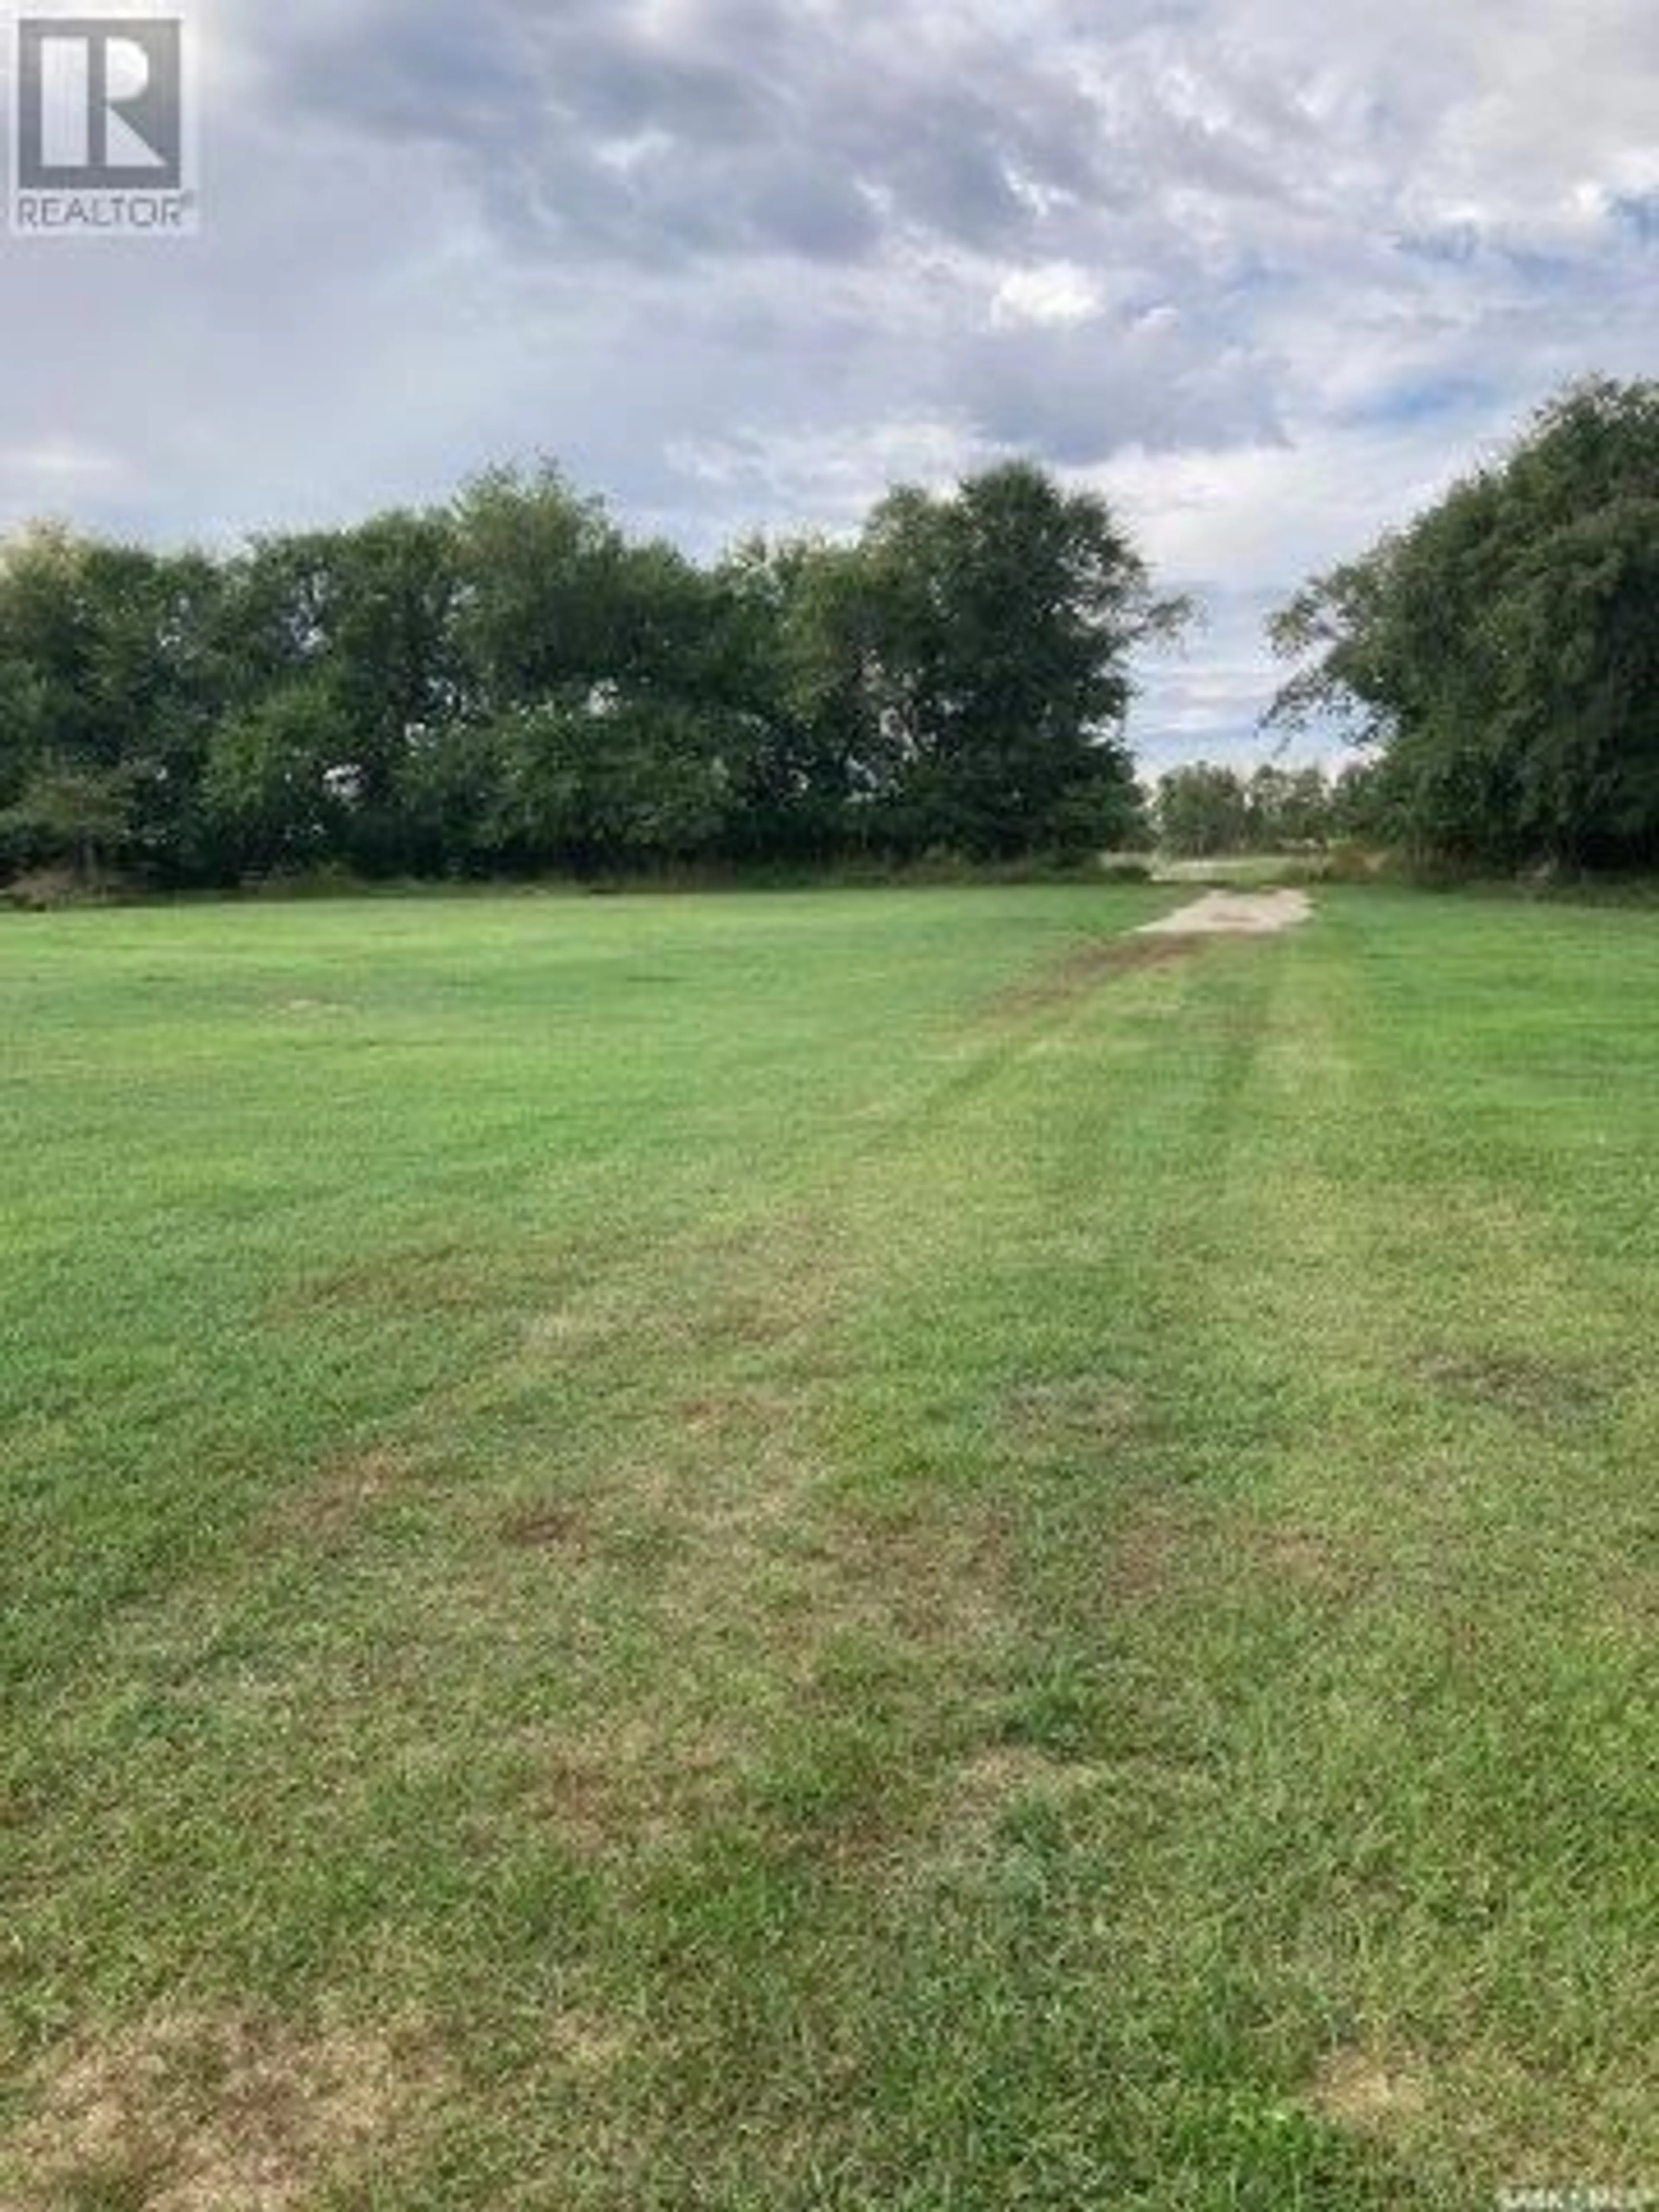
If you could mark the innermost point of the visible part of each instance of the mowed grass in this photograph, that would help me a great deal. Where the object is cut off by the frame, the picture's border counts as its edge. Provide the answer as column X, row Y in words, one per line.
column 848, row 1550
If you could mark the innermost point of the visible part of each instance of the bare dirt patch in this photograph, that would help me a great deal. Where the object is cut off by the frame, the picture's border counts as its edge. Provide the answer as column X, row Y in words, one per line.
column 1233, row 914
column 1177, row 937
column 202, row 2113
column 1359, row 2089
column 1082, row 966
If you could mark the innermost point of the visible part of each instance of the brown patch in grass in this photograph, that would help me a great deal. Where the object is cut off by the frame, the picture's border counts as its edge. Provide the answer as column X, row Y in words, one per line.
column 562, row 1327
column 708, row 1533
column 201, row 2112
column 546, row 1528
column 585, row 2043
column 773, row 1592
column 637, row 1785
column 1535, row 1386
column 17, row 1809
column 930, row 1572
column 445, row 1279
column 776, row 1312
column 326, row 1510
column 1170, row 1546
column 1003, row 1773
column 1324, row 1562
column 1082, row 966
column 1367, row 2093
column 737, row 1408
column 769, row 1287
column 1156, row 1547
column 730, row 1479
column 1080, row 1410
column 971, row 1801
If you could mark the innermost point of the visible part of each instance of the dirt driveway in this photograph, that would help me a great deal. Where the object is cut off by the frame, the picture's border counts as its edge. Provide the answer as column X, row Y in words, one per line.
column 1234, row 914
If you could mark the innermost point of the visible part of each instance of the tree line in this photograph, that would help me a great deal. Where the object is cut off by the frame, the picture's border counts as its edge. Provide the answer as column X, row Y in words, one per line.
column 1205, row 809
column 509, row 682
column 1497, row 661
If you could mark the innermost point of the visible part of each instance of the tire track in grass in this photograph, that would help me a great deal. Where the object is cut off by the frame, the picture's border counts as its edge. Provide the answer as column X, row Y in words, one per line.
column 1421, row 1761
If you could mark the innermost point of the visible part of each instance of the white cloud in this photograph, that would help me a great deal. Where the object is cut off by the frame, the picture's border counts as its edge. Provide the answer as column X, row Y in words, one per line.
column 1056, row 292
column 1265, row 270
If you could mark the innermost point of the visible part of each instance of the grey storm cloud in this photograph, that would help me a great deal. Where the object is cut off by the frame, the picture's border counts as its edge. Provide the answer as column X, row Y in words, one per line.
column 1263, row 270
column 725, row 129
column 1080, row 394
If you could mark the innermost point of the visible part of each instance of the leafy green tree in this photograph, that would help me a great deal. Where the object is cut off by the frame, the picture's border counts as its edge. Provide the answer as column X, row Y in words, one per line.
column 1286, row 808
column 69, row 812
column 281, row 780
column 47, row 710
column 451, row 788
column 1499, row 656
column 996, row 629
column 537, row 600
column 808, row 782
column 605, row 780
column 107, row 682
column 1202, row 810
column 393, row 666
column 365, row 618
column 509, row 682
column 156, row 685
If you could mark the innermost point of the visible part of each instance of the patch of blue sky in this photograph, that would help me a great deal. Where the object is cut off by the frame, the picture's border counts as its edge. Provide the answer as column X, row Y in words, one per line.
column 1422, row 400
column 1638, row 214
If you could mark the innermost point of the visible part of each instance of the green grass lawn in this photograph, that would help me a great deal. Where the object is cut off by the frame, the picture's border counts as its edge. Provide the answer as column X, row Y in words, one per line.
column 824, row 1550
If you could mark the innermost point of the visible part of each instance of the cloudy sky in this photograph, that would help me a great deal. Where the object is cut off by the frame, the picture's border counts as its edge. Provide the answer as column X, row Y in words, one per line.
column 1267, row 272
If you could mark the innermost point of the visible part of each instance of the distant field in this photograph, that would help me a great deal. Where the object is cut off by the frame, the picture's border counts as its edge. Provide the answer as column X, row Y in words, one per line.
column 845, row 1550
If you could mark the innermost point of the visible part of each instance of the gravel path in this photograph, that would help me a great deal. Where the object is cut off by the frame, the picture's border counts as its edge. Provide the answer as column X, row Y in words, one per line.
column 1234, row 914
